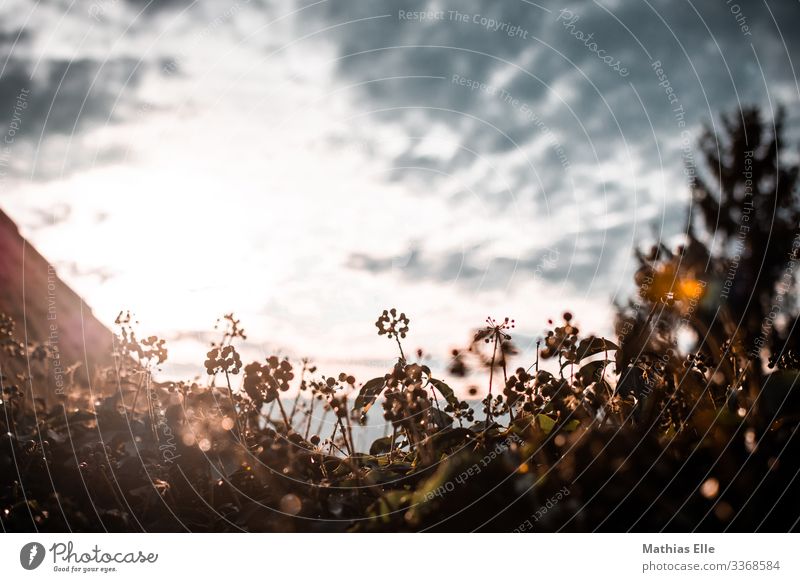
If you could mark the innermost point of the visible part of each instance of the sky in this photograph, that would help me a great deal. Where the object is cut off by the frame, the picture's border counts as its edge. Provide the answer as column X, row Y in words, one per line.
column 308, row 164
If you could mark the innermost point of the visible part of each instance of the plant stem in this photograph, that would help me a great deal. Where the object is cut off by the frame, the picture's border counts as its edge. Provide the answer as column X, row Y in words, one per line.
column 391, row 445
column 136, row 396
column 297, row 397
column 491, row 378
column 283, row 413
column 322, row 420
column 310, row 416
column 233, row 406
column 333, row 437
column 344, row 435
column 435, row 398
column 349, row 430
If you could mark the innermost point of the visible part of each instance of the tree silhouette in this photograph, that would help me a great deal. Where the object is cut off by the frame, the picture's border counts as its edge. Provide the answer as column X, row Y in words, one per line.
column 750, row 210
column 722, row 302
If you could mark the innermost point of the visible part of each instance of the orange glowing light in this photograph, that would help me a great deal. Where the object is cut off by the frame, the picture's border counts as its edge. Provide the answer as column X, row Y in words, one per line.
column 690, row 289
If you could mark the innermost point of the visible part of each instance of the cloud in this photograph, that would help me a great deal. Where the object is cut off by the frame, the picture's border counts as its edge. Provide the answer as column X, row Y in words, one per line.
column 606, row 126
column 436, row 163
column 69, row 96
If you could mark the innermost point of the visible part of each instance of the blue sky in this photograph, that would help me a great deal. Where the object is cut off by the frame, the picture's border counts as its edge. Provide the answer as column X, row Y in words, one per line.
column 306, row 164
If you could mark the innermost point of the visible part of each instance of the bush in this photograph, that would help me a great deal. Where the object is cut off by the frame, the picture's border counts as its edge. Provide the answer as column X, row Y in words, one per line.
column 602, row 440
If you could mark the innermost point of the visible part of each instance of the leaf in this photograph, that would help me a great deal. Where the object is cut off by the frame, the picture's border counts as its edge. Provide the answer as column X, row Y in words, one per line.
column 593, row 345
column 390, row 503
column 545, row 423
column 633, row 382
column 368, row 394
column 440, row 418
column 380, row 446
column 592, row 371
column 362, row 460
column 452, row 438
column 445, row 391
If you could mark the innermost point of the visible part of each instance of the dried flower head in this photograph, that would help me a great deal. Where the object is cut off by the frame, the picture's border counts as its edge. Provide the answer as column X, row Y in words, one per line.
column 225, row 359
column 232, row 328
column 495, row 331
column 391, row 324
column 147, row 351
column 263, row 383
